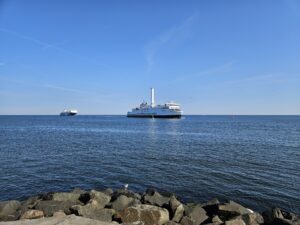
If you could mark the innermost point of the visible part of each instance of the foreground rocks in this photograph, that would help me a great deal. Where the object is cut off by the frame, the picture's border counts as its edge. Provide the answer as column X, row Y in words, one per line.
column 110, row 207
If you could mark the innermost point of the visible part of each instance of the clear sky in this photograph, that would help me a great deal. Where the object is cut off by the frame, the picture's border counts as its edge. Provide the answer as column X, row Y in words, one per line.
column 102, row 57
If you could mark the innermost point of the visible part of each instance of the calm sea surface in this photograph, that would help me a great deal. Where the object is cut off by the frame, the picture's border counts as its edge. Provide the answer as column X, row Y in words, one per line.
column 254, row 160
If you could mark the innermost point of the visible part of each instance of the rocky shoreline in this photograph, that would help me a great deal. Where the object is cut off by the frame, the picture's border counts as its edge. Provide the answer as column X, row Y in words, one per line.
column 125, row 207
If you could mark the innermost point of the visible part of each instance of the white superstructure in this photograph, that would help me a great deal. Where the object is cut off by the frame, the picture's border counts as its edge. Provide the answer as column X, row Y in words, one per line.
column 167, row 110
column 69, row 112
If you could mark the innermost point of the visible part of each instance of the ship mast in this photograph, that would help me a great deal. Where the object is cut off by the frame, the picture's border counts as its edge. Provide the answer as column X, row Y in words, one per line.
column 152, row 98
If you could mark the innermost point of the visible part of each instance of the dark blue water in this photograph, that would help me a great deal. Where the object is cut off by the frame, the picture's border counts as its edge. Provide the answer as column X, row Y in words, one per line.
column 254, row 160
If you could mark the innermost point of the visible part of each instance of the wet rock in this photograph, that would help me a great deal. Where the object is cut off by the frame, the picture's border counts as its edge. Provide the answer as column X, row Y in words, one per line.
column 8, row 210
column 148, row 214
column 231, row 209
column 102, row 198
column 271, row 214
column 46, row 196
column 32, row 214
column 94, row 210
column 122, row 202
column 276, row 216
column 196, row 214
column 65, row 196
column 150, row 191
column 59, row 220
column 156, row 199
column 50, row 206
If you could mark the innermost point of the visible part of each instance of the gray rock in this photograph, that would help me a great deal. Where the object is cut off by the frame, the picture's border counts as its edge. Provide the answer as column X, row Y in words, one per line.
column 197, row 214
column 271, row 214
column 78, row 191
column 8, row 210
column 29, row 203
column 216, row 220
column 134, row 223
column 187, row 221
column 65, row 196
column 252, row 218
column 50, row 206
column 102, row 198
column 122, row 202
column 127, row 193
column 171, row 223
column 94, row 210
column 108, row 191
column 235, row 221
column 276, row 216
column 148, row 214
column 156, row 199
column 59, row 220
column 32, row 214
column 231, row 209
column 176, row 209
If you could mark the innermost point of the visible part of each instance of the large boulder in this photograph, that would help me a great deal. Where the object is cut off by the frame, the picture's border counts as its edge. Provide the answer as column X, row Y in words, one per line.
column 32, row 214
column 122, row 202
column 29, row 204
column 252, row 218
column 59, row 220
column 176, row 209
column 235, row 221
column 195, row 214
column 187, row 221
column 94, row 210
column 276, row 216
column 171, row 223
column 125, row 192
column 50, row 206
column 8, row 210
column 231, row 209
column 102, row 198
column 156, row 199
column 211, row 207
column 65, row 196
column 148, row 214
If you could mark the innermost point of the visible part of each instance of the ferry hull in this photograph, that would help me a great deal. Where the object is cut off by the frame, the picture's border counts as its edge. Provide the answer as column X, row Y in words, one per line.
column 156, row 116
column 68, row 114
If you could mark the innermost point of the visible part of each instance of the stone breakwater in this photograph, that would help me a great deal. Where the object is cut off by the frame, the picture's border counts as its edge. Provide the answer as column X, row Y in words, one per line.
column 125, row 207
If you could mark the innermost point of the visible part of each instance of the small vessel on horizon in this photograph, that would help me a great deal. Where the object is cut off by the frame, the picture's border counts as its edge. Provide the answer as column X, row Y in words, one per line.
column 69, row 112
column 167, row 110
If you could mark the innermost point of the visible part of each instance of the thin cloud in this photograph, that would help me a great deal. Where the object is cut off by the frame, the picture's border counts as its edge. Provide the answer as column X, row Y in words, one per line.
column 48, row 86
column 153, row 47
column 45, row 45
column 2, row 63
column 217, row 70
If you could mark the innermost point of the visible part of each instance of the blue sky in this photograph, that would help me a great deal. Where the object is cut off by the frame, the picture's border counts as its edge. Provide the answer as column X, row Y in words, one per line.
column 102, row 57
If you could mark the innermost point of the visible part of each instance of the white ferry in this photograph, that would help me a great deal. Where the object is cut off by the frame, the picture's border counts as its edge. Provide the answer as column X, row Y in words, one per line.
column 69, row 112
column 167, row 110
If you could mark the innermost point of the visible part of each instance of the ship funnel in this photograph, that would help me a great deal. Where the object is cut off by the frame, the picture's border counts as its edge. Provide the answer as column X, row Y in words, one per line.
column 152, row 97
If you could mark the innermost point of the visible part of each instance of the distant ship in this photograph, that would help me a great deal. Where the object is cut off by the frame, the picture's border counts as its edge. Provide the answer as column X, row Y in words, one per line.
column 168, row 110
column 69, row 112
